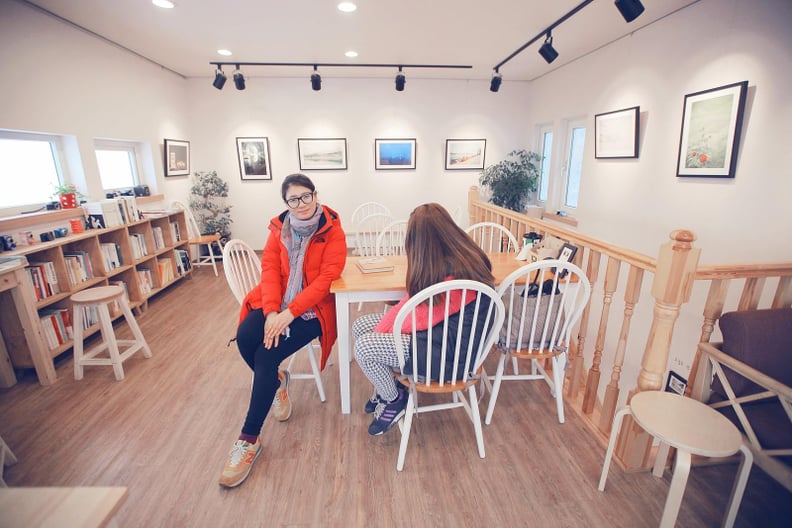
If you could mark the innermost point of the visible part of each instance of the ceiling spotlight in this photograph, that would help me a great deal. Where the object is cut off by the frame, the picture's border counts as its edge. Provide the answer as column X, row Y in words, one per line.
column 547, row 51
column 239, row 79
column 630, row 9
column 400, row 80
column 496, row 81
column 220, row 78
column 316, row 80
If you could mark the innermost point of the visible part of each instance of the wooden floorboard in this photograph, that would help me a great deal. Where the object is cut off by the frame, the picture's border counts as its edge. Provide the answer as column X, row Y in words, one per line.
column 165, row 430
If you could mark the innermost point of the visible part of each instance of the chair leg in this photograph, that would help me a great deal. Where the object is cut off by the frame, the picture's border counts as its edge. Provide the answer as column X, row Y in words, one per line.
column 109, row 339
column 495, row 389
column 132, row 322
column 405, row 430
column 316, row 373
column 743, row 472
column 77, row 326
column 211, row 256
column 558, row 384
column 678, row 483
column 617, row 421
column 476, row 417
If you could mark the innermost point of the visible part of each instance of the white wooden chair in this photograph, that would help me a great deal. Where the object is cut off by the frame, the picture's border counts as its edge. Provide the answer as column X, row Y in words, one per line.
column 242, row 268
column 457, row 343
column 7, row 458
column 197, row 240
column 367, row 208
column 539, row 327
column 493, row 238
column 390, row 240
column 366, row 232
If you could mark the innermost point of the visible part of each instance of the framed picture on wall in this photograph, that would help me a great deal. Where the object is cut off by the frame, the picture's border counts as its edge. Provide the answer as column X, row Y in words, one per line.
column 254, row 160
column 390, row 154
column 710, row 137
column 177, row 157
column 322, row 154
column 616, row 133
column 465, row 154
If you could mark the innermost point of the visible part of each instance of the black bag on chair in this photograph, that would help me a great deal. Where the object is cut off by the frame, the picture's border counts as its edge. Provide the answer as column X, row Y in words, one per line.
column 534, row 297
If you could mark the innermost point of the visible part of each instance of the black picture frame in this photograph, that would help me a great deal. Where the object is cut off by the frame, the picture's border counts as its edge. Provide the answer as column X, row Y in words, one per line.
column 465, row 154
column 254, row 158
column 322, row 153
column 710, row 137
column 675, row 383
column 616, row 133
column 394, row 154
column 567, row 254
column 176, row 157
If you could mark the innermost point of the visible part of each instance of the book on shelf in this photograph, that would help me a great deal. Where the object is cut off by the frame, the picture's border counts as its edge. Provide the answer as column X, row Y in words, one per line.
column 102, row 214
column 374, row 264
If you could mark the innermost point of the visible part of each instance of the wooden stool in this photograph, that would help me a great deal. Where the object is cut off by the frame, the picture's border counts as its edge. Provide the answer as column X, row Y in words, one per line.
column 100, row 297
column 692, row 428
column 7, row 458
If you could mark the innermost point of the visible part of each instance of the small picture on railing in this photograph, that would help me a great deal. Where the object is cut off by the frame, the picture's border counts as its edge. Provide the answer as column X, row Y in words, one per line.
column 567, row 253
column 675, row 383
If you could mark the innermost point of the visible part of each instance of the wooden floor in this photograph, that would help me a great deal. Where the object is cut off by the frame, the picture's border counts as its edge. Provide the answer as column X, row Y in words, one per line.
column 165, row 430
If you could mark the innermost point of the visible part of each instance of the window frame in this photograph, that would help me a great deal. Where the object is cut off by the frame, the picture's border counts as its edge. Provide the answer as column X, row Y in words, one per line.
column 132, row 148
column 570, row 126
column 541, row 134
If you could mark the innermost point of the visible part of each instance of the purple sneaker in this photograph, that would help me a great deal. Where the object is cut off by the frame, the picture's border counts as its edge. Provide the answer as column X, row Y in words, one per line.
column 387, row 414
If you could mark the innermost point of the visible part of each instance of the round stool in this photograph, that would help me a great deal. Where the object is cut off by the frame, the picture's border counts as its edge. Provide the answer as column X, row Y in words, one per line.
column 691, row 427
column 100, row 298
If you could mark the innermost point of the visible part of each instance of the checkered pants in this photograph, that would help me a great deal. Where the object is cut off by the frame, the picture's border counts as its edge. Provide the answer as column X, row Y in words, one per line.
column 375, row 353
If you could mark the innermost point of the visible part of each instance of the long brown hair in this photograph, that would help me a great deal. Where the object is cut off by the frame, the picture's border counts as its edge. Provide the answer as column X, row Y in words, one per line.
column 437, row 247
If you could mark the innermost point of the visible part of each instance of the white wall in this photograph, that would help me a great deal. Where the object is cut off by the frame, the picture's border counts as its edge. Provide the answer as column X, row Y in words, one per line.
column 359, row 110
column 637, row 203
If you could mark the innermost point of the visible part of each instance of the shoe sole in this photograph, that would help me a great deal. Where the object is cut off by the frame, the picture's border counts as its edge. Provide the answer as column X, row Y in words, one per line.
column 244, row 476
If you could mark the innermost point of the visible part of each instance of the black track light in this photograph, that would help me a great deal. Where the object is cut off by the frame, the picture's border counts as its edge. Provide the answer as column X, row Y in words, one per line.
column 630, row 9
column 400, row 80
column 239, row 79
column 547, row 51
column 496, row 81
column 220, row 79
column 316, row 80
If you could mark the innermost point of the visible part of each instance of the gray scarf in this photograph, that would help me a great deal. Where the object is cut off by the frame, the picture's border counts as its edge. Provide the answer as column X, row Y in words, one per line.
column 295, row 235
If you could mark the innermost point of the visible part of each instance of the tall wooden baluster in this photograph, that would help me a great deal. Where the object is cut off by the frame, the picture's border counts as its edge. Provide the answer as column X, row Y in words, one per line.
column 631, row 297
column 713, row 309
column 576, row 354
column 783, row 293
column 673, row 281
column 752, row 292
column 611, row 279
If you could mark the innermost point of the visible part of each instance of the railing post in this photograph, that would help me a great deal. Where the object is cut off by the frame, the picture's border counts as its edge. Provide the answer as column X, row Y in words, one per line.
column 673, row 281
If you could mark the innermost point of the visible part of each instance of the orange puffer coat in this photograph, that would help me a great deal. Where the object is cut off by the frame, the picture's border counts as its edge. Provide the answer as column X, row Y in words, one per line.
column 324, row 261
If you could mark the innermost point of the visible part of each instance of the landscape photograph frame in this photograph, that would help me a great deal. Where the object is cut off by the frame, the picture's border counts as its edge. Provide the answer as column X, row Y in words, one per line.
column 394, row 154
column 465, row 154
column 616, row 133
column 322, row 153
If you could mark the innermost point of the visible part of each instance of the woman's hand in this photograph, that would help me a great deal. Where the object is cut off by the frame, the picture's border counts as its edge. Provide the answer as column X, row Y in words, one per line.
column 275, row 326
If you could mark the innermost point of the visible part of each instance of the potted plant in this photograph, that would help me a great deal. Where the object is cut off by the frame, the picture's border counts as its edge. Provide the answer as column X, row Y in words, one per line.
column 68, row 195
column 512, row 180
column 207, row 201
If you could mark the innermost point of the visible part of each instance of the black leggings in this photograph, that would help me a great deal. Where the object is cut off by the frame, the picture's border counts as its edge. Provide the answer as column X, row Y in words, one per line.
column 264, row 362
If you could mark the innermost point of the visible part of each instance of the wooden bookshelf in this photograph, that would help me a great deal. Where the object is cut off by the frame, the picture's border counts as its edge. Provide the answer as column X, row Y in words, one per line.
column 79, row 262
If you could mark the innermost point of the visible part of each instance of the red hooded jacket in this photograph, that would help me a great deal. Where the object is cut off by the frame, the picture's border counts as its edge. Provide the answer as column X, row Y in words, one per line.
column 324, row 261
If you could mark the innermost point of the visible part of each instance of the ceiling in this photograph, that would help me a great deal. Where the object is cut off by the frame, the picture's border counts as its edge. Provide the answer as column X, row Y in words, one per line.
column 456, row 32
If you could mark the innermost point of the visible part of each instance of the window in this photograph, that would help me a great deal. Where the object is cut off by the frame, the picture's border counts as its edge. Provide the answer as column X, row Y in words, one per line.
column 546, row 151
column 574, row 163
column 117, row 161
column 30, row 168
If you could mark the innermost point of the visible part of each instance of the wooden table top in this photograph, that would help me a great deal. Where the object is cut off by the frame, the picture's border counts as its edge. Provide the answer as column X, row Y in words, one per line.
column 352, row 279
column 87, row 507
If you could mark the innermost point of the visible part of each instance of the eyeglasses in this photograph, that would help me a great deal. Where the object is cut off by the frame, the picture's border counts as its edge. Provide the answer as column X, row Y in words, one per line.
column 306, row 198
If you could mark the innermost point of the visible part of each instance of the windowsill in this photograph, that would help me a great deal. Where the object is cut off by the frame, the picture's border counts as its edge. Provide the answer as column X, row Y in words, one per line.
column 10, row 223
column 558, row 218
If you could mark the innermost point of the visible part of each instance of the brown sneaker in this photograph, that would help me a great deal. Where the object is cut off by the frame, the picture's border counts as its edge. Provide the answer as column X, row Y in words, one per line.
column 281, row 405
column 240, row 460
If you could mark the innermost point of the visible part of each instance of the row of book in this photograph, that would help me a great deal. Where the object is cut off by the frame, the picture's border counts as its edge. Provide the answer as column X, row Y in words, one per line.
column 57, row 326
column 111, row 212
column 43, row 278
column 78, row 266
column 159, row 240
column 111, row 253
column 138, row 242
column 183, row 261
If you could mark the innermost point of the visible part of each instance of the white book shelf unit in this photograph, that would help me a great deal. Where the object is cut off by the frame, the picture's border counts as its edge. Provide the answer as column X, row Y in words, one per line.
column 81, row 261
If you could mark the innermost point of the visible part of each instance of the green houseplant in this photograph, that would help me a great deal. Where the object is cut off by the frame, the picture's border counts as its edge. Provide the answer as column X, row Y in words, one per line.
column 207, row 201
column 68, row 195
column 512, row 180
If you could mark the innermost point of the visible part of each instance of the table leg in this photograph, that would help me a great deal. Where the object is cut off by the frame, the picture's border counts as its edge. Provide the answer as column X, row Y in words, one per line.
column 678, row 483
column 342, row 318
column 617, row 421
column 743, row 472
column 662, row 457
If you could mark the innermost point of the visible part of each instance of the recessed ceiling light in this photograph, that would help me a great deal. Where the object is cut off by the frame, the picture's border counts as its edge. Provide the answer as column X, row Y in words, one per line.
column 224, row 52
column 351, row 54
column 347, row 7
column 165, row 4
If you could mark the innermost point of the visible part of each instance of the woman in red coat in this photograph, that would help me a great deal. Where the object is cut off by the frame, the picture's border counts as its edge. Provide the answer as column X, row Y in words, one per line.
column 290, row 307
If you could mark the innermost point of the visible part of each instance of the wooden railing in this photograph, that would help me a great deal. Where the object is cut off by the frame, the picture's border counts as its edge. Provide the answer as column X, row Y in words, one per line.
column 595, row 393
